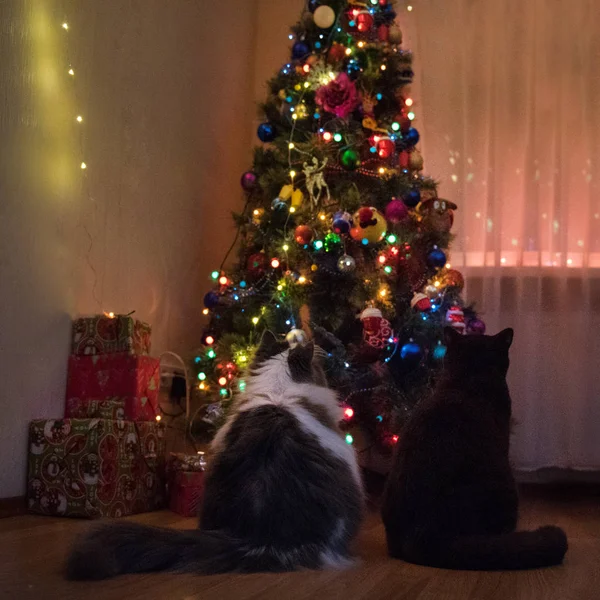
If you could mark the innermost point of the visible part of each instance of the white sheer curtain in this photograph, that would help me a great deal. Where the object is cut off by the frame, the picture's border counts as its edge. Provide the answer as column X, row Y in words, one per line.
column 507, row 98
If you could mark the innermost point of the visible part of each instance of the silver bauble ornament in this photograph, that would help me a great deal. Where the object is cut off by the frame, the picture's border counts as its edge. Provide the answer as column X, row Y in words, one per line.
column 296, row 337
column 346, row 264
column 432, row 292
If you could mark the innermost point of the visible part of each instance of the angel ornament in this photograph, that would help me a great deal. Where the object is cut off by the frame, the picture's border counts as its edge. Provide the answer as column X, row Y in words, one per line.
column 315, row 180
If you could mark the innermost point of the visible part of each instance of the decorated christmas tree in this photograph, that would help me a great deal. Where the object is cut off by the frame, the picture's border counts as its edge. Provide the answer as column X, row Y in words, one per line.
column 342, row 237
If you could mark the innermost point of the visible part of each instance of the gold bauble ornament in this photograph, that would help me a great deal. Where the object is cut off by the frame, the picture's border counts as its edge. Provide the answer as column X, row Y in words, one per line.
column 324, row 17
column 395, row 35
column 370, row 225
column 415, row 161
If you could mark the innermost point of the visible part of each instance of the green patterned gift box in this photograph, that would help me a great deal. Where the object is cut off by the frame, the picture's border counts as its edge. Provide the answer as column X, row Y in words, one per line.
column 104, row 334
column 95, row 467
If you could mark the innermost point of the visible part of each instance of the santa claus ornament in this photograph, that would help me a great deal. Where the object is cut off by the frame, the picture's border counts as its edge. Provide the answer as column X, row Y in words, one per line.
column 455, row 318
column 376, row 329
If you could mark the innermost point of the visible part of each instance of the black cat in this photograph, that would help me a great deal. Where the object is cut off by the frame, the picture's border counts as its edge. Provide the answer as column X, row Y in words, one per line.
column 283, row 491
column 451, row 499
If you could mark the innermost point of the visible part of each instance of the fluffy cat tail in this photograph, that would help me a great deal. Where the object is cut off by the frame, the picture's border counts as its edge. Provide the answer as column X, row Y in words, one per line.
column 118, row 548
column 544, row 547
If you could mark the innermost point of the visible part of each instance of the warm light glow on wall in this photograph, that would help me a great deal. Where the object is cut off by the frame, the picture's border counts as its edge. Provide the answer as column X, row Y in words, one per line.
column 56, row 163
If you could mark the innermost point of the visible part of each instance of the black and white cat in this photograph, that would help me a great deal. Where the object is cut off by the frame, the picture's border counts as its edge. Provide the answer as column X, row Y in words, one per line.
column 283, row 490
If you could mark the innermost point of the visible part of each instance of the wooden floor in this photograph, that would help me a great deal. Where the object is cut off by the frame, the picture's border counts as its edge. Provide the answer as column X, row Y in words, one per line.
column 32, row 550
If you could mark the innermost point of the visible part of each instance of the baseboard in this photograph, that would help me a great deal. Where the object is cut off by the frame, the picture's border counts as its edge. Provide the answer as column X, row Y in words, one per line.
column 558, row 476
column 12, row 507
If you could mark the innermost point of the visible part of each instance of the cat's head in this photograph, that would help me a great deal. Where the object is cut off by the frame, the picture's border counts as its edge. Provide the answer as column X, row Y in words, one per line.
column 301, row 361
column 478, row 354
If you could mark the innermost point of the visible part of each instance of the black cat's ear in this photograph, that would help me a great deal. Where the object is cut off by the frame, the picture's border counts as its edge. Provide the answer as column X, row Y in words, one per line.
column 300, row 362
column 270, row 346
column 451, row 336
column 268, row 341
column 505, row 338
column 302, row 353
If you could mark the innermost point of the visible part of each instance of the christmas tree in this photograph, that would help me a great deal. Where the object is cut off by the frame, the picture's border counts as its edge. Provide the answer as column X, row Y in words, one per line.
column 342, row 238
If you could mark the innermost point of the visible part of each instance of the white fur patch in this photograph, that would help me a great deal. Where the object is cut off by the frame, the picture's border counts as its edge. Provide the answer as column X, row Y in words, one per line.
column 265, row 387
column 273, row 385
column 273, row 377
column 335, row 561
column 328, row 439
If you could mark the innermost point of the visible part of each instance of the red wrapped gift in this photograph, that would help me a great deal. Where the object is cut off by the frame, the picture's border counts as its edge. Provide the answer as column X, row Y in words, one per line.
column 113, row 409
column 102, row 334
column 186, row 483
column 186, row 489
column 132, row 380
column 95, row 467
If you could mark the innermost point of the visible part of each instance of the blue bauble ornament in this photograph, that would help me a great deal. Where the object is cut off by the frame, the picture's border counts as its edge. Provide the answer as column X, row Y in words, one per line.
column 389, row 11
column 439, row 352
column 211, row 300
column 411, row 352
column 436, row 258
column 412, row 198
column 300, row 50
column 278, row 205
column 411, row 138
column 266, row 132
column 342, row 222
column 353, row 69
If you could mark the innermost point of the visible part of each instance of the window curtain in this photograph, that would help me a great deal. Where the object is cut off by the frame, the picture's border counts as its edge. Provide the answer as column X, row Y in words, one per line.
column 507, row 100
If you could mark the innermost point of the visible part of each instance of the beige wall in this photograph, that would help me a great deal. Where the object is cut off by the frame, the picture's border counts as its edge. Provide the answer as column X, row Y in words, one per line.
column 165, row 88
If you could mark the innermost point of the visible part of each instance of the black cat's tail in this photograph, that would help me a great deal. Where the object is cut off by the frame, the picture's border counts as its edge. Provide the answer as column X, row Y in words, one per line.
column 118, row 548
column 544, row 547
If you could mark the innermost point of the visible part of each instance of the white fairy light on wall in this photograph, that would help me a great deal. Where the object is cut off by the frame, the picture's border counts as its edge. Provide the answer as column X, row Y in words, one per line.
column 71, row 72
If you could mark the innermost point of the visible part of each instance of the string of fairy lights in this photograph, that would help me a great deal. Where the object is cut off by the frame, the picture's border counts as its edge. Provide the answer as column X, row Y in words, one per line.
column 72, row 77
column 70, row 71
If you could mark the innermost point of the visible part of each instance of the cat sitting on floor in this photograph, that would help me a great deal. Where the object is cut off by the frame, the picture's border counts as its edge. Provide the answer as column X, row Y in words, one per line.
column 451, row 499
column 283, row 490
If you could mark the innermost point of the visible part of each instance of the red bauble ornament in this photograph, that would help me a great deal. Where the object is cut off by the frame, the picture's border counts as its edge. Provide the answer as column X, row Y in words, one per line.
column 303, row 234
column 365, row 22
column 396, row 211
column 403, row 159
column 383, row 33
column 385, row 147
column 256, row 264
column 336, row 53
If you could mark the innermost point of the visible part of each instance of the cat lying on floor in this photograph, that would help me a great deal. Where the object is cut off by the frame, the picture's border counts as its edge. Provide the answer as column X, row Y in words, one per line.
column 451, row 499
column 283, row 491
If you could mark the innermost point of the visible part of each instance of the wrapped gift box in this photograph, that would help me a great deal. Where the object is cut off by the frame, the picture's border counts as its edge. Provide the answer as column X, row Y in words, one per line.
column 186, row 483
column 95, row 467
column 112, row 409
column 102, row 334
column 132, row 380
